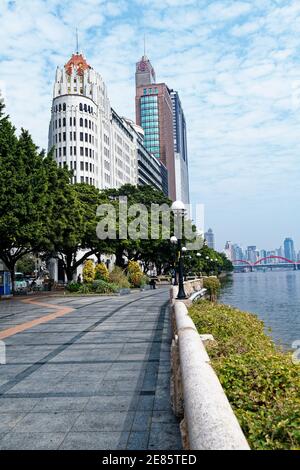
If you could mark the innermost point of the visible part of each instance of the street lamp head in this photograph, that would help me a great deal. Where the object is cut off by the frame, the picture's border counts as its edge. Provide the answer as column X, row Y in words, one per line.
column 178, row 207
column 198, row 254
column 207, row 257
column 184, row 249
column 173, row 240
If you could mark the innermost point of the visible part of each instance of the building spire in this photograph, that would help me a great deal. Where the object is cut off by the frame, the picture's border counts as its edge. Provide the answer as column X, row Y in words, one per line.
column 144, row 45
column 77, row 42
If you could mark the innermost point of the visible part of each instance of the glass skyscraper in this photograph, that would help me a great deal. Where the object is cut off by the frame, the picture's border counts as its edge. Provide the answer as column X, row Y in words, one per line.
column 150, row 120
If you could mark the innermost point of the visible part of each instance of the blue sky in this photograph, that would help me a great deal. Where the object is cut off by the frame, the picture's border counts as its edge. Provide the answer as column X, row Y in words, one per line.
column 236, row 66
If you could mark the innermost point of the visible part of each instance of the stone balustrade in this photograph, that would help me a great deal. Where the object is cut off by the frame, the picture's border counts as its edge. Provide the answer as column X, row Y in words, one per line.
column 198, row 399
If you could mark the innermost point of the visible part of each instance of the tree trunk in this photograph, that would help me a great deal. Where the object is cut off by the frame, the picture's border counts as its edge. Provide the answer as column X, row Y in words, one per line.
column 119, row 257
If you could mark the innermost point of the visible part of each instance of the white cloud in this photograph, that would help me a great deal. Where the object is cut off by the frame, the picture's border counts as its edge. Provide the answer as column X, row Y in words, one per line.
column 234, row 63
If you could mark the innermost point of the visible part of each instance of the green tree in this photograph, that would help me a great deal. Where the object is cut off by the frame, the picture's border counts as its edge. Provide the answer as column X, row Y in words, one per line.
column 25, row 199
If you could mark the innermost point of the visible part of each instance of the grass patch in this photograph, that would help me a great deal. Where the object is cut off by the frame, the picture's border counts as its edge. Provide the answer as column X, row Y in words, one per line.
column 260, row 381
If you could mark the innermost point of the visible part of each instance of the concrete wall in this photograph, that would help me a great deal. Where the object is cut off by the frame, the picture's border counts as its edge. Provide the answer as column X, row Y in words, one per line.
column 208, row 422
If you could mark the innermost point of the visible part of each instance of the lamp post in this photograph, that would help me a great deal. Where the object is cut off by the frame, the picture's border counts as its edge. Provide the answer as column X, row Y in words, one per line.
column 174, row 241
column 178, row 210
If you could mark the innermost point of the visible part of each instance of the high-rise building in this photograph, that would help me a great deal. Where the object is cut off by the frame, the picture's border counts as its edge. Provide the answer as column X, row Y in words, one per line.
column 154, row 113
column 252, row 255
column 210, row 238
column 228, row 250
column 289, row 250
column 89, row 136
column 180, row 150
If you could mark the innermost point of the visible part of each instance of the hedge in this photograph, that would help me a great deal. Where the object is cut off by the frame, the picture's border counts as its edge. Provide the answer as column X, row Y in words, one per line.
column 260, row 380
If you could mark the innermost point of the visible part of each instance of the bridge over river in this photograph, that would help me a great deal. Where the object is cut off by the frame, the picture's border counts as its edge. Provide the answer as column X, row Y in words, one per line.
column 267, row 262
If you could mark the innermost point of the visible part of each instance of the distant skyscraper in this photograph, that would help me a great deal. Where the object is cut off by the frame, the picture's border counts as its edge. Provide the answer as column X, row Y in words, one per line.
column 289, row 250
column 251, row 254
column 180, row 150
column 228, row 250
column 210, row 238
column 237, row 252
column 154, row 113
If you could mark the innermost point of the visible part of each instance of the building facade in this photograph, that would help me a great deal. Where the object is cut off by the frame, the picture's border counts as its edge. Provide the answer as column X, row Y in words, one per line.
column 289, row 249
column 180, row 150
column 87, row 134
column 210, row 238
column 154, row 113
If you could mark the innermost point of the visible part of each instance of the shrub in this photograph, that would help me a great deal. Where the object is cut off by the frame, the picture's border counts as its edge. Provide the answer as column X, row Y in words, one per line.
column 73, row 286
column 260, row 381
column 101, row 272
column 88, row 272
column 135, row 274
column 117, row 276
column 103, row 287
column 86, row 288
column 213, row 285
column 133, row 267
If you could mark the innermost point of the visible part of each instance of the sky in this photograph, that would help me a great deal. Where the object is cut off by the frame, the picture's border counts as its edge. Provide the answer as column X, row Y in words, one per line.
column 236, row 66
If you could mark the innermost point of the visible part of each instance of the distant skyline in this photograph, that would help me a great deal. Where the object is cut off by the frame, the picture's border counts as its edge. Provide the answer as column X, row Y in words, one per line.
column 235, row 64
column 259, row 248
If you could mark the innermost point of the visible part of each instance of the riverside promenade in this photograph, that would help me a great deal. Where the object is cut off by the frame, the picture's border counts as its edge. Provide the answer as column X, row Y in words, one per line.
column 87, row 373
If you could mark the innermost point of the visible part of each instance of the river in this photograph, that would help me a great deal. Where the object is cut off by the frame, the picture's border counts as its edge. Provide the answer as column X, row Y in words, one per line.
column 273, row 295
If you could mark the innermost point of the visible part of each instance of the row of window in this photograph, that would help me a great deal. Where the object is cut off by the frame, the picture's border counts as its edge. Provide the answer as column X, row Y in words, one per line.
column 149, row 105
column 150, row 91
column 62, row 137
column 62, row 123
column 62, row 152
column 149, row 99
column 149, row 112
column 82, row 107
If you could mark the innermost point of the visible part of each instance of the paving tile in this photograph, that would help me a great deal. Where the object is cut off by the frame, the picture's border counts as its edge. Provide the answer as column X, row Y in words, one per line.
column 138, row 441
column 95, row 441
column 46, row 422
column 31, row 441
column 9, row 420
column 104, row 421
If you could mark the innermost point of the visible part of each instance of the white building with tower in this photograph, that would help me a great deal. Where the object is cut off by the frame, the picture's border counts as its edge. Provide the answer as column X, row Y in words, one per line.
column 88, row 135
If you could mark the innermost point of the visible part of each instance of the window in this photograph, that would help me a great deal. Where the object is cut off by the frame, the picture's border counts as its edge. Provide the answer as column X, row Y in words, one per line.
column 85, row 123
column 71, row 121
column 59, row 137
column 81, row 136
column 81, row 166
column 86, row 180
column 59, row 108
column 71, row 165
column 64, row 106
column 81, row 179
column 86, row 166
column 64, row 136
column 91, row 181
column 71, row 135
column 75, row 151
column 86, row 152
column 85, row 108
column 91, row 167
column 64, row 151
column 89, row 108
column 71, row 150
column 74, row 135
column 90, row 138
column 74, row 121
column 81, row 151
column 75, row 165
column 59, row 123
column 86, row 138
column 90, row 124
column 80, row 107
column 81, row 122
column 90, row 153
column 145, row 91
column 60, row 152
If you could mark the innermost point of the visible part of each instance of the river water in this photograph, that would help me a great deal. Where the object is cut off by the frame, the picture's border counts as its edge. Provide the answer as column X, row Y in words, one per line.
column 273, row 295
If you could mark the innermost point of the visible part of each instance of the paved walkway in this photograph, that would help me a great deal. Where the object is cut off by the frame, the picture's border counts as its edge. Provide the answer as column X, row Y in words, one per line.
column 93, row 376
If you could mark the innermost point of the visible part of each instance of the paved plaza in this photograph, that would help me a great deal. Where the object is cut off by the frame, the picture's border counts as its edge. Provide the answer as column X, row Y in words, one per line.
column 87, row 373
